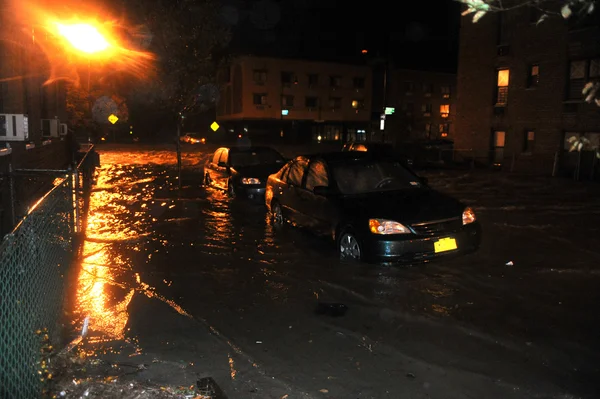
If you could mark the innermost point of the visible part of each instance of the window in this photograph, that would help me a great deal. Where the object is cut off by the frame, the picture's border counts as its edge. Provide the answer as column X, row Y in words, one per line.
column 427, row 89
column 426, row 108
column 535, row 14
column 580, row 72
column 567, row 143
column 259, row 98
column 311, row 102
column 445, row 91
column 287, row 101
column 409, row 87
column 335, row 102
column 533, row 78
column 287, row 78
column 294, row 177
column 445, row 110
column 408, row 108
column 260, row 76
column 316, row 176
column 358, row 104
column 359, row 83
column 335, row 81
column 2, row 125
column 427, row 130
column 313, row 79
column 529, row 140
column 444, row 129
column 502, row 87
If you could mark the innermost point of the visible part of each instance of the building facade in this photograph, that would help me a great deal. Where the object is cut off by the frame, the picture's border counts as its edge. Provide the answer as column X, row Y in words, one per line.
column 24, row 90
column 424, row 106
column 300, row 101
column 519, row 89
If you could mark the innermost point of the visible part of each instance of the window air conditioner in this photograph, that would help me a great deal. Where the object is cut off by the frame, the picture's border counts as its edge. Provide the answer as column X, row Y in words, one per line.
column 50, row 127
column 14, row 127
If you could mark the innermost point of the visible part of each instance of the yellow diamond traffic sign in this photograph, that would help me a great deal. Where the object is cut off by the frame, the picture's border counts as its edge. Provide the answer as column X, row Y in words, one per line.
column 214, row 126
column 113, row 118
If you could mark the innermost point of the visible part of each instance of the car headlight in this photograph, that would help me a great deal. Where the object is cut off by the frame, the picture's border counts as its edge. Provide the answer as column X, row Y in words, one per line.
column 250, row 180
column 468, row 216
column 382, row 226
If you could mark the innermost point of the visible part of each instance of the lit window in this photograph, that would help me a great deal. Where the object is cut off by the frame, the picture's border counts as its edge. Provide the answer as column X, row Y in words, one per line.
column 529, row 141
column 444, row 110
column 533, row 79
column 358, row 104
column 502, row 87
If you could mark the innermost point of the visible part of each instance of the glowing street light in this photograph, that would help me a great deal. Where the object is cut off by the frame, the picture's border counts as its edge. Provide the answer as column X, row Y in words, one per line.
column 83, row 37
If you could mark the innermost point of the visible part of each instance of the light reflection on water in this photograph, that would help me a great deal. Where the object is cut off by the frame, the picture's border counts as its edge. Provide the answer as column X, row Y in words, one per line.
column 138, row 223
column 106, row 283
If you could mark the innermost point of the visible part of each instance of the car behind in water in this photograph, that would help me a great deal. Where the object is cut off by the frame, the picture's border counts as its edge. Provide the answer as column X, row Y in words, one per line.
column 374, row 209
column 380, row 150
column 193, row 138
column 242, row 171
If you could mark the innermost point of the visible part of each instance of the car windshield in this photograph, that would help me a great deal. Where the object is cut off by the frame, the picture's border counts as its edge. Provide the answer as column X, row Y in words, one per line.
column 257, row 156
column 371, row 176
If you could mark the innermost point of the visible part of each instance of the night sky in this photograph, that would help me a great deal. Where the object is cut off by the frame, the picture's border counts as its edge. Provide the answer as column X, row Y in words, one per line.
column 420, row 34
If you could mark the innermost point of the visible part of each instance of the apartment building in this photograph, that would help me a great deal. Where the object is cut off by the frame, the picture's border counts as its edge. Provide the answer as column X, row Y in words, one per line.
column 297, row 100
column 423, row 103
column 519, row 89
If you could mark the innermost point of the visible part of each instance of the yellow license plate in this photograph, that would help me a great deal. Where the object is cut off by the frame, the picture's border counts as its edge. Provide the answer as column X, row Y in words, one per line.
column 445, row 244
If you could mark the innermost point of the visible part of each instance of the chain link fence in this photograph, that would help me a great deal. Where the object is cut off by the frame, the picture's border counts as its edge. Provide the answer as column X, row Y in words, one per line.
column 36, row 260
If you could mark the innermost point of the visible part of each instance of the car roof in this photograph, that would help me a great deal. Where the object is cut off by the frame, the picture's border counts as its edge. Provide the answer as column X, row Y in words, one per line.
column 342, row 156
column 249, row 149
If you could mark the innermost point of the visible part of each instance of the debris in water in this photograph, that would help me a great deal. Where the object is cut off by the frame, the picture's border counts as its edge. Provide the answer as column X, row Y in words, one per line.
column 208, row 388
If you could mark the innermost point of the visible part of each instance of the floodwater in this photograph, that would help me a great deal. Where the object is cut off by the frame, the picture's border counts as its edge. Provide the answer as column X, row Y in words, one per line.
column 191, row 283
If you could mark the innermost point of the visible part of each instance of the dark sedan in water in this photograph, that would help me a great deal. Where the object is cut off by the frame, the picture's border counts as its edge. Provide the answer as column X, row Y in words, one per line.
column 242, row 171
column 374, row 209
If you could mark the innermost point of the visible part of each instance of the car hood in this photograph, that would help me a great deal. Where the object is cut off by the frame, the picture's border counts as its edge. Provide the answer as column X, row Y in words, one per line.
column 405, row 206
column 259, row 171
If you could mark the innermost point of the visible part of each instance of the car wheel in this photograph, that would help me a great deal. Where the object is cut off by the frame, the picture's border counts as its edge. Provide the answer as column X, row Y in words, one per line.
column 277, row 214
column 230, row 189
column 349, row 247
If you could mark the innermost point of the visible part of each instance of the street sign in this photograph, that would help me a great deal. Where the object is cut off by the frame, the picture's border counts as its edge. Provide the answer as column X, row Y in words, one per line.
column 284, row 112
column 214, row 126
column 389, row 110
column 112, row 118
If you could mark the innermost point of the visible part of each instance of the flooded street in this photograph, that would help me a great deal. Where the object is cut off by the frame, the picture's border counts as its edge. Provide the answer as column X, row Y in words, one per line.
column 193, row 284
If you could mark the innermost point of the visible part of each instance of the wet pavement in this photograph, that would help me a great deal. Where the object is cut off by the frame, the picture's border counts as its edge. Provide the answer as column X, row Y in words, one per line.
column 192, row 284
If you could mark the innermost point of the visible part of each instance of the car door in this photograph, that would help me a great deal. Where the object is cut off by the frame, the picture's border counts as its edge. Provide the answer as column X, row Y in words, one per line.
column 290, row 191
column 317, row 210
column 211, row 166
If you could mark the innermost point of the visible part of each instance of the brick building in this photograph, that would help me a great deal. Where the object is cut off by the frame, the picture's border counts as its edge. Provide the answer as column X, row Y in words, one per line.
column 24, row 69
column 519, row 89
column 298, row 100
column 424, row 105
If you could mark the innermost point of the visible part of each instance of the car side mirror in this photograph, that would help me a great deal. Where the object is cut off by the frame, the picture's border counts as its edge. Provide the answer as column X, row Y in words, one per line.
column 322, row 191
column 222, row 164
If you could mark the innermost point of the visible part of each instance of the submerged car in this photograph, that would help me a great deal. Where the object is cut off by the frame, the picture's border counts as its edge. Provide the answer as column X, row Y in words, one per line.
column 192, row 138
column 242, row 171
column 374, row 209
